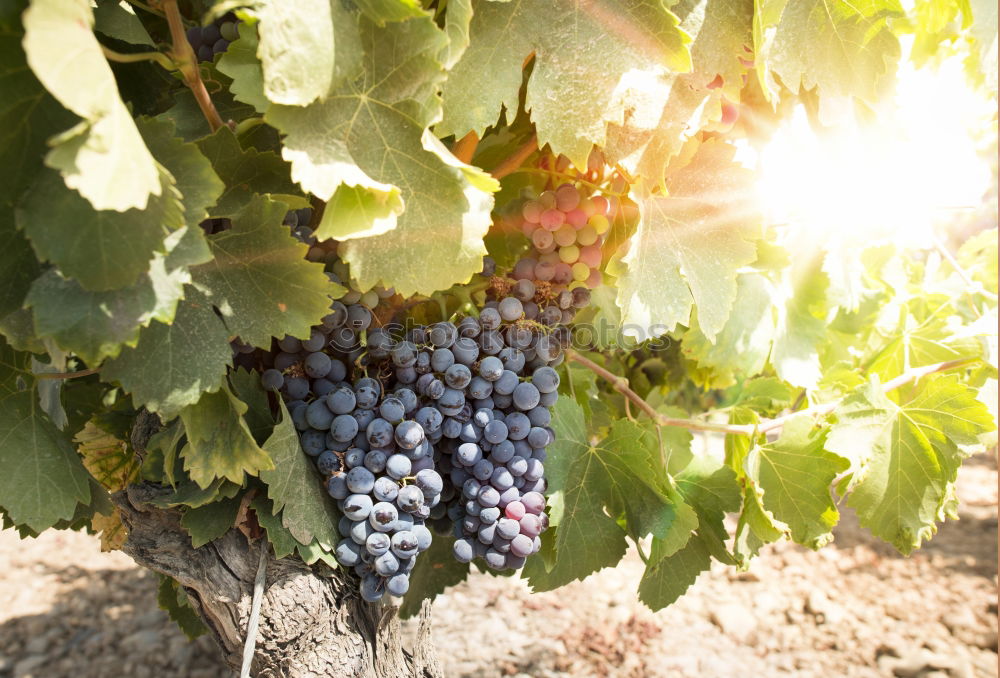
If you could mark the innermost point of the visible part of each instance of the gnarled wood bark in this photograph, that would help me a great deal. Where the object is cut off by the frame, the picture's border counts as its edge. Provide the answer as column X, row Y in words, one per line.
column 313, row 624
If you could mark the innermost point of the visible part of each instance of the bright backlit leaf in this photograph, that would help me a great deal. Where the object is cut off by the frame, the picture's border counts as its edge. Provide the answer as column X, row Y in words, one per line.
column 689, row 246
column 296, row 50
column 795, row 474
column 370, row 133
column 582, row 53
column 842, row 48
column 905, row 457
column 103, row 158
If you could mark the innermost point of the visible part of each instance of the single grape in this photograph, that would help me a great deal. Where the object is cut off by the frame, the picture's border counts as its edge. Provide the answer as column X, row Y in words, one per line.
column 398, row 584
column 404, row 544
column 398, row 466
column 348, row 553
column 344, row 428
column 410, row 498
column 462, row 550
column 385, row 489
column 313, row 441
column 336, row 486
column 409, row 435
column 272, row 380
column 510, row 309
column 328, row 462
column 357, row 506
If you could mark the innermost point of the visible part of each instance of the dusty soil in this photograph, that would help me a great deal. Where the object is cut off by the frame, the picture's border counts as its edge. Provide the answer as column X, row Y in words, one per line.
column 856, row 608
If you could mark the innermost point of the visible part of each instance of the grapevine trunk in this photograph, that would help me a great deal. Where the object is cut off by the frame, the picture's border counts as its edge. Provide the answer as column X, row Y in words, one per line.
column 312, row 621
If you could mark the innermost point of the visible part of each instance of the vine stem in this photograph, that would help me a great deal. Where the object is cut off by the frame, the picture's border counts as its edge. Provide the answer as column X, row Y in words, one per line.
column 66, row 375
column 162, row 59
column 465, row 147
column 513, row 162
column 620, row 384
column 187, row 62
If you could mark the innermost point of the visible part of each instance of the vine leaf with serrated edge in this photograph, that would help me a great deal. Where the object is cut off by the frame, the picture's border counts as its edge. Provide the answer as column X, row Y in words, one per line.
column 259, row 278
column 219, row 442
column 296, row 489
column 689, row 246
column 371, row 132
column 905, row 458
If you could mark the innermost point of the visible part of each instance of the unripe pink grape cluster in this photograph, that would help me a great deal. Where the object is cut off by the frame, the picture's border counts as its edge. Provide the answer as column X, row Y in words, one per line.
column 567, row 229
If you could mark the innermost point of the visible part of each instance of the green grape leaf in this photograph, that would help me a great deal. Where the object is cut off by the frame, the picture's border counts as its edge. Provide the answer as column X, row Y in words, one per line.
column 664, row 113
column 689, row 246
column 296, row 50
column 905, row 457
column 666, row 578
column 219, row 441
column 712, row 490
column 436, row 570
column 622, row 473
column 96, row 325
column 282, row 541
column 103, row 250
column 43, row 478
column 104, row 158
column 742, row 347
column 246, row 386
column 916, row 344
column 795, row 474
column 756, row 527
column 189, row 494
column 384, row 11
column 18, row 265
column 764, row 394
column 165, row 443
column 587, row 538
column 844, row 49
column 259, row 278
column 211, row 521
column 171, row 598
column 29, row 115
column 240, row 63
column 244, row 172
column 355, row 212
column 172, row 365
column 370, row 133
column 296, row 489
column 117, row 20
column 571, row 99
column 198, row 184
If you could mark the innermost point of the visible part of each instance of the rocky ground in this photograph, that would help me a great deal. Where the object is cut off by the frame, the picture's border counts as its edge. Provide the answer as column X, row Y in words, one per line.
column 856, row 608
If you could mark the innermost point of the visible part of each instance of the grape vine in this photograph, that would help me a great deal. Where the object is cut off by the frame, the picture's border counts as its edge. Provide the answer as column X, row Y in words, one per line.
column 349, row 282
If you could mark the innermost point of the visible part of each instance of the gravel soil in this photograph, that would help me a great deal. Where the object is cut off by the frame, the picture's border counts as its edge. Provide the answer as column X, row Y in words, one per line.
column 856, row 608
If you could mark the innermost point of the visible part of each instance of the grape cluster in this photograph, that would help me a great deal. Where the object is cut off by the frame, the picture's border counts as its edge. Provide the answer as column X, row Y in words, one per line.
column 566, row 227
column 486, row 385
column 207, row 41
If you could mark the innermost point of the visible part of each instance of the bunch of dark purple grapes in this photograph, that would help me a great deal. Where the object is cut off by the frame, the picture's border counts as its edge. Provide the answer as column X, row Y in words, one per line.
column 486, row 385
column 208, row 41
